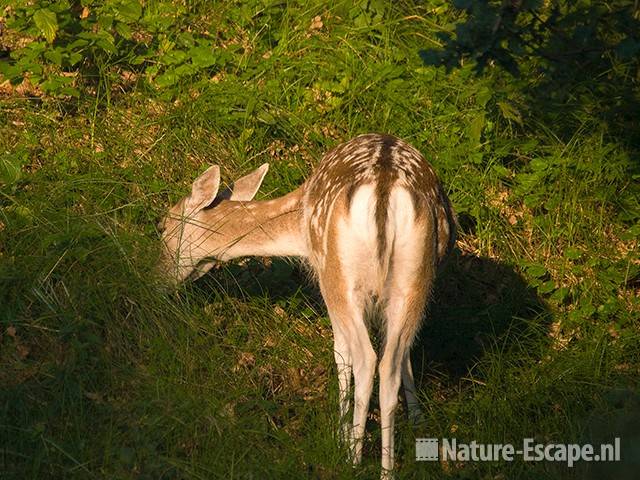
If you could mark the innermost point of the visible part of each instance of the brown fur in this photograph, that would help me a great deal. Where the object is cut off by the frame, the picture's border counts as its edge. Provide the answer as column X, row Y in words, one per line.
column 386, row 176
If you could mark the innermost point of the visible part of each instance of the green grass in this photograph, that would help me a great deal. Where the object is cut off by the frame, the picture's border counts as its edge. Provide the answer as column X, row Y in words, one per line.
column 532, row 332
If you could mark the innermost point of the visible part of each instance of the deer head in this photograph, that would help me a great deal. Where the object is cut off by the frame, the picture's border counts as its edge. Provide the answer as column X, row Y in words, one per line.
column 196, row 230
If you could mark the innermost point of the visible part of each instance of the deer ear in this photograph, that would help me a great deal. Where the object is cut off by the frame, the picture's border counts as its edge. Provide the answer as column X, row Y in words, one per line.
column 204, row 190
column 245, row 188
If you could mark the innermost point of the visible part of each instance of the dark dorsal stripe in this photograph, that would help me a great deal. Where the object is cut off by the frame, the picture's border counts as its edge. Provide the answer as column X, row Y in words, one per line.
column 351, row 190
column 385, row 177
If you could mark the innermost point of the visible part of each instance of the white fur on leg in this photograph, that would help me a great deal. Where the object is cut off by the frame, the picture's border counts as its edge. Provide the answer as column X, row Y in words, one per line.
column 342, row 357
column 390, row 374
column 364, row 369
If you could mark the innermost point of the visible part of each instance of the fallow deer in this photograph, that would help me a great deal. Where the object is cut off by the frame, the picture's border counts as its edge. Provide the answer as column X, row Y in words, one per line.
column 372, row 221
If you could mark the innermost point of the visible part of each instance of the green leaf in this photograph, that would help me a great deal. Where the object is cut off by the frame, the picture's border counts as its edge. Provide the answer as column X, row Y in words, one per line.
column 20, row 212
column 166, row 79
column 632, row 233
column 536, row 271
column 11, row 72
column 47, row 22
column 572, row 253
column 152, row 70
column 547, row 287
column 475, row 128
column 202, row 56
column 74, row 58
column 184, row 70
column 173, row 57
column 79, row 43
column 475, row 157
column 105, row 21
column 124, row 30
column 128, row 11
column 510, row 112
column 538, row 164
column 57, row 85
column 501, row 170
column 559, row 295
column 587, row 310
column 483, row 96
column 106, row 42
column 610, row 307
column 71, row 91
column 10, row 171
column 54, row 56
column 185, row 39
column 60, row 6
column 427, row 73
column 251, row 106
column 266, row 117
column 138, row 60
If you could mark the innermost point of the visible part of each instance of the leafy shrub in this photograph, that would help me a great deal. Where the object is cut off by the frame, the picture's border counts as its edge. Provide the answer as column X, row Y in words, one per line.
column 59, row 40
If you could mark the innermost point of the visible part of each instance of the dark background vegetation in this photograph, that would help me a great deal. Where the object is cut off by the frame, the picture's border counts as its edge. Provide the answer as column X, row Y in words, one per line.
column 528, row 111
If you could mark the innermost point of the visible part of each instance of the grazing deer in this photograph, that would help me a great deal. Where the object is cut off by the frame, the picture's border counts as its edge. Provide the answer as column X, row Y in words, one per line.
column 374, row 224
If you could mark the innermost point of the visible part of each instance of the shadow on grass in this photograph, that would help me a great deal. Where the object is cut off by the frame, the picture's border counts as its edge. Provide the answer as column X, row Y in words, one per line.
column 475, row 302
column 275, row 278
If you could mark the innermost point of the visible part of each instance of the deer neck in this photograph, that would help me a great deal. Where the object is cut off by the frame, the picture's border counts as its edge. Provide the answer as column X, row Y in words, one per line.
column 263, row 228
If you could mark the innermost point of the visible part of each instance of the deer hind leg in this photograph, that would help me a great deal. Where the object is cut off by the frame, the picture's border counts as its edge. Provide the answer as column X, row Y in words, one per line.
column 344, row 365
column 409, row 386
column 353, row 354
column 404, row 305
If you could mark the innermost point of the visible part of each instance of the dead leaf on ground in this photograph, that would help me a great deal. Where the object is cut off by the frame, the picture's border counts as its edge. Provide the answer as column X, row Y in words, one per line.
column 96, row 397
column 316, row 23
column 245, row 360
column 23, row 351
